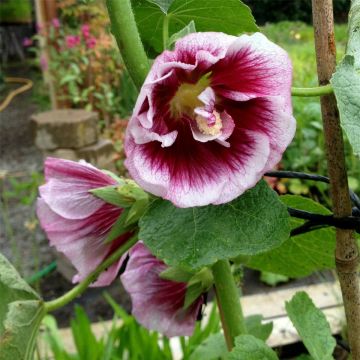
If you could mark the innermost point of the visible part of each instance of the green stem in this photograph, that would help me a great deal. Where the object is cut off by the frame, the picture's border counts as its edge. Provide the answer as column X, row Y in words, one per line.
column 165, row 32
column 81, row 287
column 313, row 91
column 127, row 36
column 228, row 299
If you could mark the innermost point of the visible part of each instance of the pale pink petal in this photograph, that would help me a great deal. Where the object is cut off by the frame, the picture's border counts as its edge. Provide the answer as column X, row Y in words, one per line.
column 83, row 241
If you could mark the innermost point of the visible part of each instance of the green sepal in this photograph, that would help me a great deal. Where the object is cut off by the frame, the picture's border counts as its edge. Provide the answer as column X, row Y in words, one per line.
column 113, row 176
column 177, row 274
column 120, row 227
column 130, row 192
column 136, row 211
column 200, row 283
column 110, row 194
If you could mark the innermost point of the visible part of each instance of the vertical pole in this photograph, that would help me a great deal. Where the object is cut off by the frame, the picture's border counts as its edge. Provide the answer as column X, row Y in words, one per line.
column 347, row 252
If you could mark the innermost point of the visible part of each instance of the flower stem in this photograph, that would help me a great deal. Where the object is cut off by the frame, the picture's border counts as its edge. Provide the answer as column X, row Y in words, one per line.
column 228, row 299
column 313, row 91
column 81, row 287
column 126, row 33
column 347, row 251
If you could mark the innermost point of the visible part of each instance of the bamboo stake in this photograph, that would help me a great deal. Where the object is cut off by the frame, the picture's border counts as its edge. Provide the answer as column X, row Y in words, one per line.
column 347, row 252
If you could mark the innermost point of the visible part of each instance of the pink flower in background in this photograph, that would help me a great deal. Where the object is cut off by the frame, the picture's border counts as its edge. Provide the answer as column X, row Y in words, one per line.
column 157, row 304
column 43, row 63
column 72, row 41
column 56, row 23
column 91, row 42
column 212, row 117
column 85, row 30
column 27, row 42
column 77, row 222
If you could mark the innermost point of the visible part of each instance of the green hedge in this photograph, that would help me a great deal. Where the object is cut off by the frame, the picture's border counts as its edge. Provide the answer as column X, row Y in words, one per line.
column 293, row 10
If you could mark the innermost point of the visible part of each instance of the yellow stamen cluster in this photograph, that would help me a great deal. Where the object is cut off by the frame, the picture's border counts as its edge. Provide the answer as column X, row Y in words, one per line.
column 186, row 98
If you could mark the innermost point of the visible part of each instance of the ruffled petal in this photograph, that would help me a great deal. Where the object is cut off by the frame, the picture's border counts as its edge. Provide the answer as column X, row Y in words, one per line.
column 191, row 173
column 253, row 67
column 157, row 304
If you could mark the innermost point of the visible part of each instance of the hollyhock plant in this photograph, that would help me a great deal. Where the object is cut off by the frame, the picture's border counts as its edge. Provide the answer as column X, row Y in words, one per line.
column 77, row 222
column 157, row 303
column 212, row 117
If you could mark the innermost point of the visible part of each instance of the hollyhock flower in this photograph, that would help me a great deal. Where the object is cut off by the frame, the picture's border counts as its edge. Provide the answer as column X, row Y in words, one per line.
column 212, row 117
column 27, row 42
column 158, row 304
column 55, row 23
column 77, row 222
column 72, row 41
column 85, row 30
column 91, row 42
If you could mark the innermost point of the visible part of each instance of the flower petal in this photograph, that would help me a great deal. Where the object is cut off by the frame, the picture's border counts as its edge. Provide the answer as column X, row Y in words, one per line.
column 67, row 188
column 157, row 303
column 268, row 115
column 253, row 67
column 82, row 241
column 191, row 173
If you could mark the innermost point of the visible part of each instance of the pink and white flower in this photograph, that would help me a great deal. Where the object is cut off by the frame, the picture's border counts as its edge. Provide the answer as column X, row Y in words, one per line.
column 212, row 117
column 77, row 222
column 158, row 304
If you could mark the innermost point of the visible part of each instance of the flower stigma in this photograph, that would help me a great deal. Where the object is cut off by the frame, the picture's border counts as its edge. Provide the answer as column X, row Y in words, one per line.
column 213, row 128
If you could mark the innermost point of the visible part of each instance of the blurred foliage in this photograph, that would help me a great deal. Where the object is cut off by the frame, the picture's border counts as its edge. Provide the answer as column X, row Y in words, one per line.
column 15, row 11
column 271, row 11
column 124, row 339
column 79, row 54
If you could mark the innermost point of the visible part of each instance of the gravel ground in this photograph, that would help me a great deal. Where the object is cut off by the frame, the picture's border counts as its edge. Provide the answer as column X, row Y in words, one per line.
column 22, row 245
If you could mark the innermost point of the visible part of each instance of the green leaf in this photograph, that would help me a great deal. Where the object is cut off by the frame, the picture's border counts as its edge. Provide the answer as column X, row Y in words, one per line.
column 353, row 46
column 196, row 237
column 230, row 16
column 212, row 348
column 346, row 84
column 256, row 328
column 248, row 347
column 302, row 254
column 188, row 29
column 21, row 311
column 312, row 326
column 272, row 279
